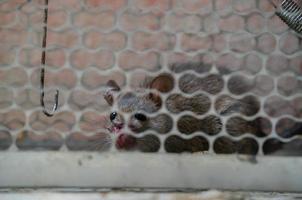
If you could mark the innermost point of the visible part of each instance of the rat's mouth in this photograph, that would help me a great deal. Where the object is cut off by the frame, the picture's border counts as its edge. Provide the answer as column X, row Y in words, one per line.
column 123, row 141
column 116, row 128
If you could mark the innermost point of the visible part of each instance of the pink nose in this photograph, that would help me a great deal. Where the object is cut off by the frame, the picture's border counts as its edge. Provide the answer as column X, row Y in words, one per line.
column 119, row 126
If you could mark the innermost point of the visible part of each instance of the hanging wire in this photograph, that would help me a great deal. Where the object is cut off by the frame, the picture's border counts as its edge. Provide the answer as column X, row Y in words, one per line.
column 43, row 61
column 290, row 13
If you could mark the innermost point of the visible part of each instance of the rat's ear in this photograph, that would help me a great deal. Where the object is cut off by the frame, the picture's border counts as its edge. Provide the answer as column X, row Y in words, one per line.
column 111, row 88
column 155, row 98
column 162, row 83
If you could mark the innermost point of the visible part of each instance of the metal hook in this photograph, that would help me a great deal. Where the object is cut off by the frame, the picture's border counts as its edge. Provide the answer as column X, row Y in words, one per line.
column 42, row 94
column 290, row 12
column 43, row 61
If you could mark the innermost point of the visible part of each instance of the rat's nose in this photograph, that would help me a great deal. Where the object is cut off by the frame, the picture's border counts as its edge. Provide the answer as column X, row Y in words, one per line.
column 119, row 125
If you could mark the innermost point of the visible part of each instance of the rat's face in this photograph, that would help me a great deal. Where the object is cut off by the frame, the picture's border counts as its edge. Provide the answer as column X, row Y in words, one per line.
column 129, row 111
column 136, row 107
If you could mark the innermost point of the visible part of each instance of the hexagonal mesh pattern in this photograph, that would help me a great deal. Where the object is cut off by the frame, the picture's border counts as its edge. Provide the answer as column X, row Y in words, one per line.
column 221, row 76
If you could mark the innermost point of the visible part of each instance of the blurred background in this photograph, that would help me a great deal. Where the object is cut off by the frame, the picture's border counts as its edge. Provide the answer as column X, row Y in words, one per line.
column 90, row 42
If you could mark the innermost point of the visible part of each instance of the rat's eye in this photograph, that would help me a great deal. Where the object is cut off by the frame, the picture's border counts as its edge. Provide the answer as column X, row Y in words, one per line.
column 113, row 116
column 140, row 117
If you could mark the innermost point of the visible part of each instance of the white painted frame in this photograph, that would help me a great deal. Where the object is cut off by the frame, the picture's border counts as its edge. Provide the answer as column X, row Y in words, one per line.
column 149, row 171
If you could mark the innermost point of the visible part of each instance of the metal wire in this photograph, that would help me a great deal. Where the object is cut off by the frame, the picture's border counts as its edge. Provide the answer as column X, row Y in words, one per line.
column 291, row 13
column 43, row 61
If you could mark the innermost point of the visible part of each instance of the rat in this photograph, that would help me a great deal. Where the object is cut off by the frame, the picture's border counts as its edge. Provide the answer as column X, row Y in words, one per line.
column 140, row 105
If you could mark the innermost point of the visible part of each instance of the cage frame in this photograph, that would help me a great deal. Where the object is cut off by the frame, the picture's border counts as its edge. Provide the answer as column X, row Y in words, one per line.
column 159, row 172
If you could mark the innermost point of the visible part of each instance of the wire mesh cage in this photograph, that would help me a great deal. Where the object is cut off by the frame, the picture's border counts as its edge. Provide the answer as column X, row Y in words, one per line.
column 170, row 87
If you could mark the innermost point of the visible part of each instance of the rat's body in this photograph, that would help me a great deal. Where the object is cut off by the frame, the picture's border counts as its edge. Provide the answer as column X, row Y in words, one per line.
column 140, row 105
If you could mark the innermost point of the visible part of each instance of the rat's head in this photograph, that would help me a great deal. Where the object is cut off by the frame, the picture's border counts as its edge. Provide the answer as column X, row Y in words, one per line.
column 137, row 105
